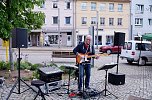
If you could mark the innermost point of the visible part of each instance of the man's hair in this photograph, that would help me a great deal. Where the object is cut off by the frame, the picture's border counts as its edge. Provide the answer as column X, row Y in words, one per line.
column 88, row 36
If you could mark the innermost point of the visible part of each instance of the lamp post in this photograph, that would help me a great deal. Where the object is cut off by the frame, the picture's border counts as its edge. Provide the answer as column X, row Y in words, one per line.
column 97, row 29
column 59, row 26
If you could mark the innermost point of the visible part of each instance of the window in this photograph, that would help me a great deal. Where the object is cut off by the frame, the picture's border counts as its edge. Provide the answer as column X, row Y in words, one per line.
column 138, row 21
column 102, row 21
column 120, row 7
column 68, row 5
column 55, row 5
column 129, row 46
column 99, row 40
column 150, row 8
column 111, row 21
column 93, row 6
column 119, row 21
column 143, row 46
column 111, row 7
column 55, row 20
column 53, row 39
column 109, row 40
column 93, row 20
column 67, row 20
column 84, row 20
column 102, row 7
column 84, row 6
column 139, row 8
column 150, row 22
column 79, row 39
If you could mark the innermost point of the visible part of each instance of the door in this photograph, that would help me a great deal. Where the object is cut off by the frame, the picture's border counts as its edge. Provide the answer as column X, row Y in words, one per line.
column 69, row 40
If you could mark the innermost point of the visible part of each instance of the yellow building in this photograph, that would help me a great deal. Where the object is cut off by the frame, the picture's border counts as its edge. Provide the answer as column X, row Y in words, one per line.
column 111, row 15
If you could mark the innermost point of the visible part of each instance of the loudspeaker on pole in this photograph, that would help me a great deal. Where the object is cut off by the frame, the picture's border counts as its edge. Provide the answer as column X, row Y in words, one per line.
column 119, row 38
column 19, row 38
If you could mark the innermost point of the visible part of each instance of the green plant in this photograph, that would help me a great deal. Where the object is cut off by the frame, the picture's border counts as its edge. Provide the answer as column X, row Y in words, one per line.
column 66, row 71
column 23, row 65
column 4, row 65
column 35, row 74
column 36, row 66
column 53, row 64
column 26, row 78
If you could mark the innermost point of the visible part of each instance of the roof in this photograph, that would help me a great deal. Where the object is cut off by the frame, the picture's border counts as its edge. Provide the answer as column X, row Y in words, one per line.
column 147, row 36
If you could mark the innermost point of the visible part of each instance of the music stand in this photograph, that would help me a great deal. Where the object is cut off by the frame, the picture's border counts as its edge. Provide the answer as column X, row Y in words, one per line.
column 106, row 67
column 69, row 67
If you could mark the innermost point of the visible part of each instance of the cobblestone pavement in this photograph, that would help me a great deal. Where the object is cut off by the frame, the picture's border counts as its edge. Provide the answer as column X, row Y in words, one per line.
column 137, row 83
column 137, row 80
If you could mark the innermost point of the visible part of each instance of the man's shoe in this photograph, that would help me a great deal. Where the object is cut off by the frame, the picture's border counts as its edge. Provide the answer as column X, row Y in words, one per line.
column 80, row 93
column 88, row 88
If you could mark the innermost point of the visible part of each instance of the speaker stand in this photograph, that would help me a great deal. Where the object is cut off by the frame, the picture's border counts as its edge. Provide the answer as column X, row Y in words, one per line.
column 19, row 80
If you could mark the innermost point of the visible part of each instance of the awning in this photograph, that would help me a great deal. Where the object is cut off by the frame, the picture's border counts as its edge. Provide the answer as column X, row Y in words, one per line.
column 147, row 36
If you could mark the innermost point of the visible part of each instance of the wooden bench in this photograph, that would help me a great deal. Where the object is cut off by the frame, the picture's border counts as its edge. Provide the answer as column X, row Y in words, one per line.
column 63, row 54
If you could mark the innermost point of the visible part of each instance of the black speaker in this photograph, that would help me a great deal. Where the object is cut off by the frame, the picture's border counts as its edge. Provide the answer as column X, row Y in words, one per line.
column 116, row 79
column 19, row 38
column 119, row 38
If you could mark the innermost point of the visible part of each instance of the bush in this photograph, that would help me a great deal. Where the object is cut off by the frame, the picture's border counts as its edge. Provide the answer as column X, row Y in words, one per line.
column 4, row 65
column 35, row 74
column 23, row 65
column 36, row 66
column 66, row 71
column 53, row 64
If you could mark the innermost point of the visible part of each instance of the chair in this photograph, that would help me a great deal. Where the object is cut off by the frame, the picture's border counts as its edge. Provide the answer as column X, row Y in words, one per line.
column 38, row 83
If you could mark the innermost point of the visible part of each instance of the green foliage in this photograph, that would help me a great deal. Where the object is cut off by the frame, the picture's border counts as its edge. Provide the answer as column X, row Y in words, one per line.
column 23, row 65
column 18, row 13
column 66, row 71
column 35, row 75
column 53, row 64
column 36, row 66
column 4, row 65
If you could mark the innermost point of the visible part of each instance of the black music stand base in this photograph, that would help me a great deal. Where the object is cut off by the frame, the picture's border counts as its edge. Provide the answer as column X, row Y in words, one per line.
column 106, row 67
column 106, row 90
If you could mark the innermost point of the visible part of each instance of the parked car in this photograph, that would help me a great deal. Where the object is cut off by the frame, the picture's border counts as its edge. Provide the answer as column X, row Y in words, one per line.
column 137, row 51
column 110, row 49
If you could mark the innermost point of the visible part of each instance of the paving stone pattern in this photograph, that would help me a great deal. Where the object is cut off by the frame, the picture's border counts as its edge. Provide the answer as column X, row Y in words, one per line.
column 138, row 82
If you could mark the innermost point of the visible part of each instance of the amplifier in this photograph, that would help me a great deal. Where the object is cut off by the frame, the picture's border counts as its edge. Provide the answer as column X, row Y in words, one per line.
column 116, row 79
column 50, row 74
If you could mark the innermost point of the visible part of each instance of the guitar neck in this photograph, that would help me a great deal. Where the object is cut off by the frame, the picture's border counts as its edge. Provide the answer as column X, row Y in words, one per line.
column 90, row 56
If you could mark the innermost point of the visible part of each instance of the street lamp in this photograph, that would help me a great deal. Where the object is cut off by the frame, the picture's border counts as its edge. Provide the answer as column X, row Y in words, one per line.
column 97, row 29
column 59, row 26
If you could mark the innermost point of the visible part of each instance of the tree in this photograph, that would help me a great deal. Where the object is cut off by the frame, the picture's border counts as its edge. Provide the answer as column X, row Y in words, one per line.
column 19, row 13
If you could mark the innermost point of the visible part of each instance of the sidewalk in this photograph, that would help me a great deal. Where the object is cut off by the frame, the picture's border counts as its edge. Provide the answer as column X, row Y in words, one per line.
column 42, row 48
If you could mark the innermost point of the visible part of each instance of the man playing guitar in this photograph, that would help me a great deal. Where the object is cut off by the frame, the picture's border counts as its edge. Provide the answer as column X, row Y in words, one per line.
column 82, row 51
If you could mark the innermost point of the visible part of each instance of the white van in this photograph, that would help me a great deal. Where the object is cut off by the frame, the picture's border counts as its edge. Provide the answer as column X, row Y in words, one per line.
column 133, row 50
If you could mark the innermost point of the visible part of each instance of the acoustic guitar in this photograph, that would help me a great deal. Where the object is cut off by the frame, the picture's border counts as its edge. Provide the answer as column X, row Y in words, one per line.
column 85, row 56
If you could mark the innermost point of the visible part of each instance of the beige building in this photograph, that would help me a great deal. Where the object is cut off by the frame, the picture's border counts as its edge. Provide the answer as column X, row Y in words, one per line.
column 107, row 17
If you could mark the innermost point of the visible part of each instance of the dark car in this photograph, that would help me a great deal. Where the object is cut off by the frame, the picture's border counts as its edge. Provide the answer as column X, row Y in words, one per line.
column 110, row 49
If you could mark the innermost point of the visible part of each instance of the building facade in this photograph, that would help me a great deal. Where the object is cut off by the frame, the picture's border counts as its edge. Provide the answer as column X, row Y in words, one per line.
column 107, row 17
column 58, row 29
column 141, row 17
